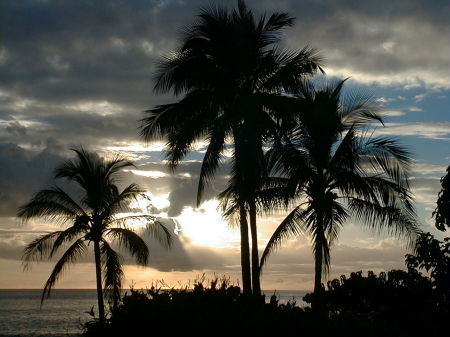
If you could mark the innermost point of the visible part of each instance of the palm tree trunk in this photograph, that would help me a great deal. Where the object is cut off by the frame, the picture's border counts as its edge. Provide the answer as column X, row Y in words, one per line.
column 318, row 267
column 245, row 253
column 98, row 274
column 255, row 258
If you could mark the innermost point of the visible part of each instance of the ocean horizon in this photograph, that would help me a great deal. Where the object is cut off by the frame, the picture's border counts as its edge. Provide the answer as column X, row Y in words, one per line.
column 66, row 310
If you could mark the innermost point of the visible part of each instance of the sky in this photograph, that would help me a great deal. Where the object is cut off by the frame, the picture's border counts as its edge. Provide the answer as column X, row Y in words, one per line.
column 80, row 73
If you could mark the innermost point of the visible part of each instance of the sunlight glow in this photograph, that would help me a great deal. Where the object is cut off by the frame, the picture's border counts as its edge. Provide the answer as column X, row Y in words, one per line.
column 205, row 226
column 153, row 147
column 159, row 202
column 147, row 206
column 102, row 108
column 148, row 174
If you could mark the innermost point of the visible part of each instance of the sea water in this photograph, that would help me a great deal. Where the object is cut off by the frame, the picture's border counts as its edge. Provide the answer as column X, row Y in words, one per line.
column 64, row 313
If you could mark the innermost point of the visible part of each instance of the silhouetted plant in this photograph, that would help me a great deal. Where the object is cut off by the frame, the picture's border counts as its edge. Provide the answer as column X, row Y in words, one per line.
column 332, row 166
column 442, row 211
column 405, row 303
column 93, row 217
column 393, row 304
column 234, row 75
column 218, row 308
column 433, row 256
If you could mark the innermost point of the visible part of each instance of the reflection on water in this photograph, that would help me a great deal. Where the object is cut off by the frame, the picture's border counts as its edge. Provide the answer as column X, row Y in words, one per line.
column 62, row 313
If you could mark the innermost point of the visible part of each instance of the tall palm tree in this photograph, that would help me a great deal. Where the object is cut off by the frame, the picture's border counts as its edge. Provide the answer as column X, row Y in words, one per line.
column 93, row 217
column 233, row 73
column 335, row 168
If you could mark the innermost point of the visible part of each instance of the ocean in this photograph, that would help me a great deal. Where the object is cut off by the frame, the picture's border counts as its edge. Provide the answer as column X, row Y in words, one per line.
column 65, row 311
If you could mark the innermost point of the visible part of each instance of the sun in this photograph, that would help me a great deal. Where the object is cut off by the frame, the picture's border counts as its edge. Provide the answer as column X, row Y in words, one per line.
column 205, row 227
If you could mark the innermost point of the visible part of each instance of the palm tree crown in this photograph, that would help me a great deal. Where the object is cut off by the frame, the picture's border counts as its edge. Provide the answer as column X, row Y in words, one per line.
column 336, row 169
column 234, row 76
column 93, row 217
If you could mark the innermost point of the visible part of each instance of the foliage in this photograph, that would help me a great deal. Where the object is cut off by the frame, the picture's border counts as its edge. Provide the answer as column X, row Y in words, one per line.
column 234, row 74
column 334, row 169
column 433, row 256
column 92, row 217
column 396, row 299
column 442, row 211
column 375, row 297
column 218, row 309
column 397, row 305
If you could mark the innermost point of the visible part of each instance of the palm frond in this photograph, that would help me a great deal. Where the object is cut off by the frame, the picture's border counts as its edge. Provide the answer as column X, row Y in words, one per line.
column 68, row 235
column 113, row 275
column 292, row 226
column 159, row 232
column 294, row 67
column 132, row 242
column 77, row 250
column 397, row 219
column 82, row 169
column 52, row 204
column 115, row 202
column 213, row 156
column 182, row 124
column 39, row 248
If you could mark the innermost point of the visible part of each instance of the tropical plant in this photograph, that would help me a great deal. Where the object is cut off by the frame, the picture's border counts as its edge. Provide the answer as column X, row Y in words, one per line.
column 234, row 74
column 93, row 217
column 433, row 256
column 442, row 211
column 333, row 167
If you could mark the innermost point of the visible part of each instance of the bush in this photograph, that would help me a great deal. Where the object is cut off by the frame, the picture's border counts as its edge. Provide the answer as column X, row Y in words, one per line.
column 399, row 303
column 218, row 309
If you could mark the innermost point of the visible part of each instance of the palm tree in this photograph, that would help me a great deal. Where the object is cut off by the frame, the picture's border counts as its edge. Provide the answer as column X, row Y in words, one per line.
column 334, row 168
column 93, row 217
column 233, row 74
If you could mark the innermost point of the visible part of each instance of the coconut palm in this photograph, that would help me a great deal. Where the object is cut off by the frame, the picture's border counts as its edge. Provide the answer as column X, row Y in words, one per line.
column 334, row 168
column 233, row 74
column 94, row 218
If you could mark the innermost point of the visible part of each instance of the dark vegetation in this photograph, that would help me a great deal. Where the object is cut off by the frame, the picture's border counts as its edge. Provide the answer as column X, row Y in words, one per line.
column 231, row 72
column 415, row 302
column 397, row 303
column 90, row 218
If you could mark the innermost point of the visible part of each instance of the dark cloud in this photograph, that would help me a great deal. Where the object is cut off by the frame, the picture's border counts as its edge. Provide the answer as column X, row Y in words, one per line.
column 80, row 72
column 83, row 70
column 64, row 51
column 23, row 173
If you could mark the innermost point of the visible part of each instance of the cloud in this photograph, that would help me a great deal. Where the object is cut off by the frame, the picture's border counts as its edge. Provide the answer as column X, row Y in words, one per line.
column 24, row 172
column 419, row 98
column 16, row 128
column 392, row 113
column 430, row 130
column 81, row 73
column 414, row 109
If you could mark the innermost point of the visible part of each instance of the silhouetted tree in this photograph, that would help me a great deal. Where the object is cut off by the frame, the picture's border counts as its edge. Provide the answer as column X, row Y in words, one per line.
column 91, row 218
column 433, row 256
column 336, row 169
column 234, row 75
column 442, row 211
